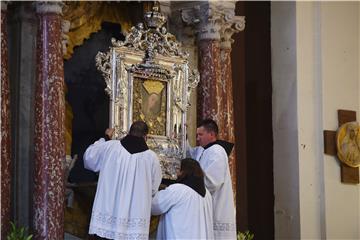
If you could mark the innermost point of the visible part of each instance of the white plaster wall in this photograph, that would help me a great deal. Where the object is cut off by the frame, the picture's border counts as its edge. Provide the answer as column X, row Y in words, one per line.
column 340, row 61
column 315, row 71
column 285, row 125
column 309, row 98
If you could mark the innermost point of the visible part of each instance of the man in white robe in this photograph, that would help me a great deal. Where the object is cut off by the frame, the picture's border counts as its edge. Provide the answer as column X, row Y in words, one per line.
column 129, row 177
column 186, row 206
column 213, row 159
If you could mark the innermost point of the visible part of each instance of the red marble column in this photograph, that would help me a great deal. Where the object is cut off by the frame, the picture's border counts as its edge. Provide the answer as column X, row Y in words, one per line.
column 5, row 128
column 231, row 25
column 228, row 131
column 49, row 125
column 210, row 89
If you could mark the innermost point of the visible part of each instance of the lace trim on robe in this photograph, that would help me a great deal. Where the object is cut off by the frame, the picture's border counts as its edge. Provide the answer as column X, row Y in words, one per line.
column 108, row 219
column 117, row 235
column 225, row 227
column 138, row 227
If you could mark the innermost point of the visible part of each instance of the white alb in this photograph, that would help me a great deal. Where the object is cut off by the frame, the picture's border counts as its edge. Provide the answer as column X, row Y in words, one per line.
column 185, row 213
column 125, row 188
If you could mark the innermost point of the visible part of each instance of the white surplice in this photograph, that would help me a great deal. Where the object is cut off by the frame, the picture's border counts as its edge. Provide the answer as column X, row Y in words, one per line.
column 214, row 162
column 125, row 188
column 186, row 214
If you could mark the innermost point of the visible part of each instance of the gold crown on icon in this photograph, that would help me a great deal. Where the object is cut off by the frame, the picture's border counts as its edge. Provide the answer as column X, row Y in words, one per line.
column 152, row 86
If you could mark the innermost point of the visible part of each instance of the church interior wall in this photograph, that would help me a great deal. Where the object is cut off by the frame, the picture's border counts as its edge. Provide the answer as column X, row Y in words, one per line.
column 324, row 75
column 315, row 70
column 309, row 107
column 340, row 73
column 285, row 125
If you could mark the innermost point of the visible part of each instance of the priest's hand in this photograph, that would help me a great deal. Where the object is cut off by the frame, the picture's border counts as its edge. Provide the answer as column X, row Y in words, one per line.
column 109, row 132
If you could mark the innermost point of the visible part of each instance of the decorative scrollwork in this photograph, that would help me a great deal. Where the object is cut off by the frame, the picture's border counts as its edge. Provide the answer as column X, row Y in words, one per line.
column 121, row 86
column 103, row 64
column 183, row 102
column 193, row 80
column 149, row 70
column 153, row 38
column 178, row 81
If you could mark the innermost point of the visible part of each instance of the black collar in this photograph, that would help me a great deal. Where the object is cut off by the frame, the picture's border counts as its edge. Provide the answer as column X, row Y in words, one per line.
column 196, row 183
column 134, row 144
column 228, row 146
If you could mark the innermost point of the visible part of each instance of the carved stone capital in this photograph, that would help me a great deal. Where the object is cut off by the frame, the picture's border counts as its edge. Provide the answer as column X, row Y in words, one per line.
column 183, row 32
column 213, row 20
column 206, row 18
column 230, row 26
column 165, row 8
column 49, row 7
column 4, row 5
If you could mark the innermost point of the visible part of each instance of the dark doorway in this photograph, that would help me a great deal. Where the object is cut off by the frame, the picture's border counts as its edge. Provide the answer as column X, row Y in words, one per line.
column 86, row 96
column 251, row 64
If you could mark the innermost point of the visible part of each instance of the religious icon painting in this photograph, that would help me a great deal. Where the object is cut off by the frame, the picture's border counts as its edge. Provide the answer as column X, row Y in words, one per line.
column 149, row 104
column 148, row 78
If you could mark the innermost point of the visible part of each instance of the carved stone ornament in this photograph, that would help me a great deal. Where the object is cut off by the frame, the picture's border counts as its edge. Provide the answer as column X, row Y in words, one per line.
column 348, row 144
column 65, row 27
column 148, row 78
column 214, row 20
column 49, row 7
column 205, row 18
column 4, row 5
column 233, row 24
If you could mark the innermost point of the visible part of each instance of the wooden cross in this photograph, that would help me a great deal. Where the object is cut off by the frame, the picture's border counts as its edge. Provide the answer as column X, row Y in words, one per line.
column 348, row 174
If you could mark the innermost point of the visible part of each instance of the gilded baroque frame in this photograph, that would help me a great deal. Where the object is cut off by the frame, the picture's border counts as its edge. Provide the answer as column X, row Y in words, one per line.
column 150, row 58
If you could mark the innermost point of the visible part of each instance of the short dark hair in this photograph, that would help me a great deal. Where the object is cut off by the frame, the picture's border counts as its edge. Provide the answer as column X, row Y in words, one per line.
column 209, row 125
column 139, row 129
column 190, row 167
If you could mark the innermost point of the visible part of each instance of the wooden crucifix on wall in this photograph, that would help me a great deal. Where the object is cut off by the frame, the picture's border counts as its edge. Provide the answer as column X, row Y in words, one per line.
column 345, row 144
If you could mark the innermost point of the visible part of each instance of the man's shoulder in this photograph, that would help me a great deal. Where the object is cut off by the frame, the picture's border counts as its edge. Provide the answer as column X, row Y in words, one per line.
column 215, row 148
column 215, row 153
column 150, row 153
column 179, row 188
column 113, row 143
column 108, row 144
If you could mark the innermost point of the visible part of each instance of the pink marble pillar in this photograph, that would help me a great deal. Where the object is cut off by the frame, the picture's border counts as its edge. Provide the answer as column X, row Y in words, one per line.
column 230, row 25
column 49, row 125
column 228, row 106
column 210, row 92
column 5, row 128
column 215, row 94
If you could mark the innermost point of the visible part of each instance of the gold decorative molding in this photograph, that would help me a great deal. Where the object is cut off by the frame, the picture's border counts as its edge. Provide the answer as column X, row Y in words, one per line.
column 86, row 17
column 68, row 124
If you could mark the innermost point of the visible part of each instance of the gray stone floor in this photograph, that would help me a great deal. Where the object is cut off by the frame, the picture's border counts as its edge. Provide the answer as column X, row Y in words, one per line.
column 70, row 237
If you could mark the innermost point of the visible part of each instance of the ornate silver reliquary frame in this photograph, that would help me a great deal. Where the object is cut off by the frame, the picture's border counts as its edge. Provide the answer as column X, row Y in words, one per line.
column 148, row 78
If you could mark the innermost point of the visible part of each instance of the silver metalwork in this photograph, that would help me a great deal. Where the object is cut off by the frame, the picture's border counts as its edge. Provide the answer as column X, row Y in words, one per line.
column 150, row 54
